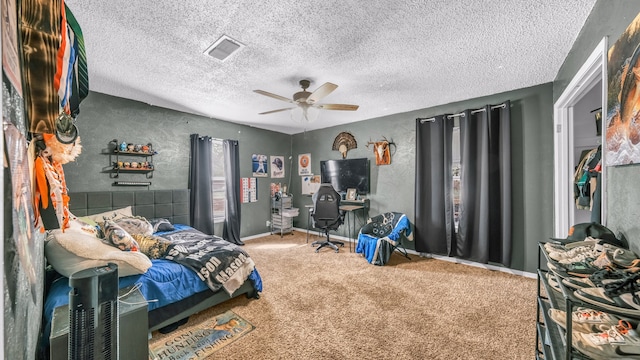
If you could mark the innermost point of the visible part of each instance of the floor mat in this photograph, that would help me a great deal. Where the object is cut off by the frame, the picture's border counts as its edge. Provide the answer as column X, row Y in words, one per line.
column 202, row 339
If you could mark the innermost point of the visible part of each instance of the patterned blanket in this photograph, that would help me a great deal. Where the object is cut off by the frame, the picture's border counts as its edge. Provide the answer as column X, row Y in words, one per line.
column 379, row 237
column 219, row 263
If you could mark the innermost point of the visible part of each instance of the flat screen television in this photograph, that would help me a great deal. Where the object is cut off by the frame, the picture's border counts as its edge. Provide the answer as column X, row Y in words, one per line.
column 346, row 174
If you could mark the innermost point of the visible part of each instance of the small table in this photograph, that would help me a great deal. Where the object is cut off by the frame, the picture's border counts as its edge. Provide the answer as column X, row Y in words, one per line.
column 351, row 209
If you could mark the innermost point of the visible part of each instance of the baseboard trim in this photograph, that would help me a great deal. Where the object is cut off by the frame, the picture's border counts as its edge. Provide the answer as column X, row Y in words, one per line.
column 433, row 256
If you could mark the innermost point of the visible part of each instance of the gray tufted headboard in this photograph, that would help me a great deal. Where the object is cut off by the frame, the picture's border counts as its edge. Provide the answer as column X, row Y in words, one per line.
column 168, row 204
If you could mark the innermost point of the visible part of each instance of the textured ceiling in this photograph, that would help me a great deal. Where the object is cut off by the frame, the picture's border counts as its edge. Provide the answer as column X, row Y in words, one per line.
column 386, row 56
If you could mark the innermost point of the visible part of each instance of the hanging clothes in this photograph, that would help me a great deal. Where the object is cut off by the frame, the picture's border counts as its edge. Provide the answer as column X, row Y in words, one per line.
column 585, row 178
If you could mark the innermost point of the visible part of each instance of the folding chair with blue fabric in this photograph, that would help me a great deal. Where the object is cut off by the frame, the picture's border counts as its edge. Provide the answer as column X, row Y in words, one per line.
column 382, row 235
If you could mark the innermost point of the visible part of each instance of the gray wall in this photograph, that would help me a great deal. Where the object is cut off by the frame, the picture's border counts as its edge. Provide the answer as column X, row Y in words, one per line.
column 104, row 118
column 392, row 186
column 611, row 19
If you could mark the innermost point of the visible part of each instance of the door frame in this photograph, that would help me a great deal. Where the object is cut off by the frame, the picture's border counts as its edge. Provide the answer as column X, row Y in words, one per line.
column 592, row 71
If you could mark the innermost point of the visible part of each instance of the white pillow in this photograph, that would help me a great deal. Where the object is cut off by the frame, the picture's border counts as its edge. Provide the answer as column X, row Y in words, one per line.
column 111, row 215
column 71, row 251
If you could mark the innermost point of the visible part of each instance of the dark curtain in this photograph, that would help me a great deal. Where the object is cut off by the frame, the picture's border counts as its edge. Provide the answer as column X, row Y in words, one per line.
column 200, row 175
column 231, row 231
column 484, row 232
column 434, row 225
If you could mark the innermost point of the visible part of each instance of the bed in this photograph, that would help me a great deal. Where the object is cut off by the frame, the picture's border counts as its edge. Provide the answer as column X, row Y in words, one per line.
column 174, row 290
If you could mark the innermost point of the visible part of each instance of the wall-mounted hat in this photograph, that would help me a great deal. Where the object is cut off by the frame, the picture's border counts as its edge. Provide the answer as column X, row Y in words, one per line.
column 66, row 130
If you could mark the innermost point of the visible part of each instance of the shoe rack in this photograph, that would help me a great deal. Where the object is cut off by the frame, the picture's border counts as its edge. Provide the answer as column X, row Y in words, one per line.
column 553, row 341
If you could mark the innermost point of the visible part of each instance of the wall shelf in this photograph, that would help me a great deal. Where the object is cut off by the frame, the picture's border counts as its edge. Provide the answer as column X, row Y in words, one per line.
column 135, row 159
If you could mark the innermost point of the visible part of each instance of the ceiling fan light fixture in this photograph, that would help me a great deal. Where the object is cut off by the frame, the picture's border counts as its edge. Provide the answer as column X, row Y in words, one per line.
column 223, row 48
column 305, row 113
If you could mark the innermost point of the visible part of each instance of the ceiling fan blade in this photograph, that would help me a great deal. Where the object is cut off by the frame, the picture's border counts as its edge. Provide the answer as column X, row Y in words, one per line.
column 275, row 111
column 321, row 92
column 338, row 107
column 265, row 93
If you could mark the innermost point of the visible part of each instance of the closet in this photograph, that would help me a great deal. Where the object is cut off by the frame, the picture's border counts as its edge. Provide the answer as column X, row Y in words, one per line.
column 586, row 138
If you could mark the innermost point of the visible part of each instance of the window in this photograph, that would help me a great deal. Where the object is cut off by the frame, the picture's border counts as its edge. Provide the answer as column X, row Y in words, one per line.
column 218, row 187
column 455, row 172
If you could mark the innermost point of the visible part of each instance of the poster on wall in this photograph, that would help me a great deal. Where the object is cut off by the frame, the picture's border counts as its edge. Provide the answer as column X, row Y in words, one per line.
column 275, row 188
column 21, row 208
column 277, row 166
column 310, row 184
column 304, row 164
column 623, row 99
column 10, row 58
column 248, row 190
column 259, row 165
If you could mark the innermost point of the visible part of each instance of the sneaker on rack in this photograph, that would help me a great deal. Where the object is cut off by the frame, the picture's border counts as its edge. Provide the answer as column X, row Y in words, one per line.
column 568, row 254
column 559, row 246
column 620, row 341
column 551, row 279
column 621, row 296
column 584, row 319
column 623, row 257
column 580, row 269
column 589, row 255
column 597, row 279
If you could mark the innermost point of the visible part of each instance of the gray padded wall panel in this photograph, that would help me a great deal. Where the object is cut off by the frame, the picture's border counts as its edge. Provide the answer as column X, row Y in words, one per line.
column 169, row 204
column 163, row 196
column 121, row 199
column 144, row 198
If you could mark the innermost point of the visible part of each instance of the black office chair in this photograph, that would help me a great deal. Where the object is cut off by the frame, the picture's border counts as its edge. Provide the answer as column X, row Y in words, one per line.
column 327, row 215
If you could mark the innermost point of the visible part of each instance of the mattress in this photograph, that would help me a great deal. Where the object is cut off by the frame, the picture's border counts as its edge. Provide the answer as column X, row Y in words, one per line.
column 165, row 283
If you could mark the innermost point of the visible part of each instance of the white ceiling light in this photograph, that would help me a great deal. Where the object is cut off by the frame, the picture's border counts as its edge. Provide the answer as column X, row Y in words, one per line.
column 223, row 48
column 305, row 113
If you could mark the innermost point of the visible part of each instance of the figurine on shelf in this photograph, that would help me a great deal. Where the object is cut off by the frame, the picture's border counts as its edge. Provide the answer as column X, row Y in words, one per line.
column 137, row 148
column 134, row 164
column 146, row 148
column 130, row 147
column 127, row 164
column 123, row 146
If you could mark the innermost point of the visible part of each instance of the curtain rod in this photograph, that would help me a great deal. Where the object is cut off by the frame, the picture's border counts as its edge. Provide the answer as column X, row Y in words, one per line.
column 455, row 115
column 503, row 105
column 431, row 119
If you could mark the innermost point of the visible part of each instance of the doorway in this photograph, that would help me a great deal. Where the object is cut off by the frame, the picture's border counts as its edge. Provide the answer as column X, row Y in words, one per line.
column 575, row 131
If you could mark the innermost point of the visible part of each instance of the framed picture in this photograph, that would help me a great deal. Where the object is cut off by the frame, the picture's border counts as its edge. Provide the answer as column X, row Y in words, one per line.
column 351, row 194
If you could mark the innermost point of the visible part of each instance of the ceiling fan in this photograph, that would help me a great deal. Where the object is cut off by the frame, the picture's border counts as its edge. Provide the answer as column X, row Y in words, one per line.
column 307, row 102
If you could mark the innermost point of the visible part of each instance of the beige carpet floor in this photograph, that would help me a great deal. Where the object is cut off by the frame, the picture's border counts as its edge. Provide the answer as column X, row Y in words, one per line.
column 331, row 305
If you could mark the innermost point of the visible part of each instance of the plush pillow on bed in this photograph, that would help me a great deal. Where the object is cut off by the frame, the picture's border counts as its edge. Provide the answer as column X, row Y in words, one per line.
column 85, row 225
column 153, row 246
column 71, row 251
column 135, row 225
column 118, row 236
column 111, row 215
column 161, row 225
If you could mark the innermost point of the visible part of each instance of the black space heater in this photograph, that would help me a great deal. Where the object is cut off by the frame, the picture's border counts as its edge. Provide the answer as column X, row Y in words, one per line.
column 93, row 314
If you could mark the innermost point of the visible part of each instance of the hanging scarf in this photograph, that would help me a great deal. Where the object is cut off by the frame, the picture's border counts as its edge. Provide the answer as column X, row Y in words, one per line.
column 51, row 184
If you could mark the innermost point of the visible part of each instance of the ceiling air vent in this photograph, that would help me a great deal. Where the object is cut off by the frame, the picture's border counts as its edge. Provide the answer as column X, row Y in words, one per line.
column 223, row 48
